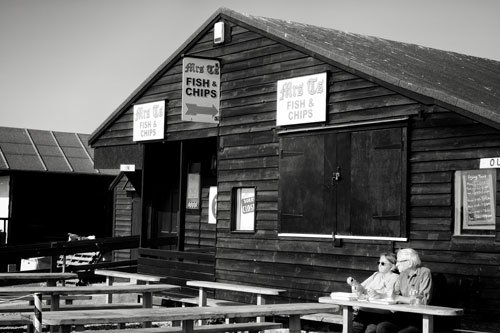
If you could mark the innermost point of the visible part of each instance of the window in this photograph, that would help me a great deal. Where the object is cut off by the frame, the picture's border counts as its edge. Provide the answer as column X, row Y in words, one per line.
column 346, row 183
column 243, row 209
column 475, row 202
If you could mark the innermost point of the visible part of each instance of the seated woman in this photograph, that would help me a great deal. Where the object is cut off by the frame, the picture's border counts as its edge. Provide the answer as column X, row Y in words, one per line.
column 414, row 283
column 379, row 285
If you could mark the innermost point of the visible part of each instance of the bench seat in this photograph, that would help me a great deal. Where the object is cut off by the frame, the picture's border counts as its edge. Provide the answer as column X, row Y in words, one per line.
column 70, row 307
column 330, row 318
column 191, row 300
column 127, row 275
column 14, row 320
column 251, row 327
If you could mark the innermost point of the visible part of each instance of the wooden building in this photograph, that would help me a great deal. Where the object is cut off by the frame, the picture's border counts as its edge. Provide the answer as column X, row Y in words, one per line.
column 49, row 187
column 325, row 149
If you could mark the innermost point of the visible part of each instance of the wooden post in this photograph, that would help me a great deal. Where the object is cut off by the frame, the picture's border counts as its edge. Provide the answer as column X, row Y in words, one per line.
column 37, row 318
column 109, row 282
column 260, row 301
column 147, row 302
column 187, row 326
column 427, row 323
column 294, row 324
column 346, row 319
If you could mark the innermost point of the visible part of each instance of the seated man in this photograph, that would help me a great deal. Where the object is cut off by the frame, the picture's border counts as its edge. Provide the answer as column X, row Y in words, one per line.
column 413, row 285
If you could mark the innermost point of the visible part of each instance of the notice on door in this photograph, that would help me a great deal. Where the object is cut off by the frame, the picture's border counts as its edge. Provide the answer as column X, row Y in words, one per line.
column 478, row 198
column 200, row 90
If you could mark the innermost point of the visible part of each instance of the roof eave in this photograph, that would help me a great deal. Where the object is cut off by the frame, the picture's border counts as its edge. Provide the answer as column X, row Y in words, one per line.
column 163, row 67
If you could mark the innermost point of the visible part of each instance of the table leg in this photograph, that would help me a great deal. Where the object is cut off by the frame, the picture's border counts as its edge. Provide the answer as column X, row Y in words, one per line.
column 347, row 319
column 109, row 282
column 260, row 301
column 54, row 302
column 187, row 326
column 147, row 302
column 427, row 323
column 54, row 306
column 294, row 323
column 202, row 297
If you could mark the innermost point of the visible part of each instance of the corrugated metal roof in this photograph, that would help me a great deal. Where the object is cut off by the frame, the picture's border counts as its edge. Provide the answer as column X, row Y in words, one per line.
column 37, row 150
column 469, row 85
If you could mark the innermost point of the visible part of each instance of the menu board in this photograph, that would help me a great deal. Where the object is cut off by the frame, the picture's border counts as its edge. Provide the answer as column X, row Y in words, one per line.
column 478, row 198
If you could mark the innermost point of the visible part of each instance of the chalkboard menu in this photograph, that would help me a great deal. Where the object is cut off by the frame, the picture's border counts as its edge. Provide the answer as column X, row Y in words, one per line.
column 478, row 198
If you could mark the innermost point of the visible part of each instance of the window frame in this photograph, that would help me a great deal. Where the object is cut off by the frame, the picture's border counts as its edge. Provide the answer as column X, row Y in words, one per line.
column 404, row 194
column 235, row 200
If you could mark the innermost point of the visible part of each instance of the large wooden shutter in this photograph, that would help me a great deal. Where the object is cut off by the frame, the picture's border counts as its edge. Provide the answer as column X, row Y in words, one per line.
column 377, row 183
column 301, row 189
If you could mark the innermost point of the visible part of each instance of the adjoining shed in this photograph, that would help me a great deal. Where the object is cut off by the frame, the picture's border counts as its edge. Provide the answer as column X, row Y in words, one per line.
column 313, row 151
column 49, row 187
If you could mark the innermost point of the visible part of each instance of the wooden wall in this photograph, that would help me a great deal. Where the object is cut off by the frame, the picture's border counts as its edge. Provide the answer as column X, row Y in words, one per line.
column 122, row 216
column 440, row 143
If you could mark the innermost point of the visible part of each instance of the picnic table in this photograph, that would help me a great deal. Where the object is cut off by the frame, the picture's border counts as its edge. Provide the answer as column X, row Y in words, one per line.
column 56, row 291
column 258, row 291
column 49, row 278
column 187, row 315
column 427, row 311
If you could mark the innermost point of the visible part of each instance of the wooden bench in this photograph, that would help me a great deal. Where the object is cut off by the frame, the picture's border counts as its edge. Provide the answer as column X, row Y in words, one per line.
column 188, row 315
column 330, row 318
column 20, row 308
column 16, row 320
column 136, row 278
column 177, row 267
column 132, row 277
column 217, row 328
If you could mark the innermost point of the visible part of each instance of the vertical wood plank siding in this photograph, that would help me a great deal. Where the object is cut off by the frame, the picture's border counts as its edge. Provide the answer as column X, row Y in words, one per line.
column 122, row 217
column 440, row 143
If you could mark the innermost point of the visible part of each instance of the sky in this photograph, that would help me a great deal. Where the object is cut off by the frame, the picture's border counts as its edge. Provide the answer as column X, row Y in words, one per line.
column 66, row 65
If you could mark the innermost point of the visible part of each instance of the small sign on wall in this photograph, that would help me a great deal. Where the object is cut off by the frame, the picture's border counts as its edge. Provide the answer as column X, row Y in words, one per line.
column 301, row 100
column 149, row 121
column 212, row 205
column 489, row 163
column 193, row 191
column 200, row 90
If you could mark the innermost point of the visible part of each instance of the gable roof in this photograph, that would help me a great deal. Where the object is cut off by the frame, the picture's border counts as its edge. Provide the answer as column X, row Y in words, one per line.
column 466, row 84
column 24, row 149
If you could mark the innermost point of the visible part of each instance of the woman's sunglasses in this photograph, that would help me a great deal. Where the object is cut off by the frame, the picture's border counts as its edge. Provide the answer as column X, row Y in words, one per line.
column 382, row 263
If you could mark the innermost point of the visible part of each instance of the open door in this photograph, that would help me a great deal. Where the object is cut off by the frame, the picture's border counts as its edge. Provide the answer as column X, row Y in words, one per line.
column 178, row 177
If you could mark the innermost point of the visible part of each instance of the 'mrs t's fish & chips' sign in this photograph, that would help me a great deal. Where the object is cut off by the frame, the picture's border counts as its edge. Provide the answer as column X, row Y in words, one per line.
column 149, row 121
column 200, row 90
column 301, row 100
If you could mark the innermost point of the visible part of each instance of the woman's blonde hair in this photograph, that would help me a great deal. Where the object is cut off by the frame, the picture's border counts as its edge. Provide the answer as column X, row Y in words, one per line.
column 391, row 257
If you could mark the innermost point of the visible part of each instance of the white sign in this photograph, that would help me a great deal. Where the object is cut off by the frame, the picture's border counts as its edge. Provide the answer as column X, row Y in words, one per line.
column 127, row 167
column 212, row 205
column 301, row 100
column 246, row 209
column 489, row 163
column 193, row 191
column 149, row 121
column 200, row 90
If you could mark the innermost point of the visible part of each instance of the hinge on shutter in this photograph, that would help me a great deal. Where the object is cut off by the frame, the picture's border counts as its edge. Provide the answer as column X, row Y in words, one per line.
column 290, row 153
